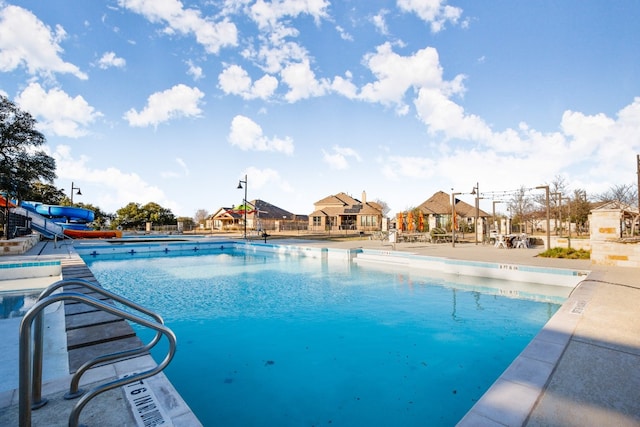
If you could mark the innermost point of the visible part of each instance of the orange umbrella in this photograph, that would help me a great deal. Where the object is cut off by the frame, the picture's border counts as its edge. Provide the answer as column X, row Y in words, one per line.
column 410, row 224
column 399, row 224
column 421, row 222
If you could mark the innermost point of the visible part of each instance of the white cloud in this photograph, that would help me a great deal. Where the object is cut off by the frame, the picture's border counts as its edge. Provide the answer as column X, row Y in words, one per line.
column 344, row 35
column 266, row 178
column 109, row 59
column 267, row 14
column 408, row 167
column 114, row 188
column 247, row 135
column 397, row 74
column 179, row 101
column 435, row 12
column 380, row 23
column 302, row 82
column 338, row 158
column 174, row 174
column 441, row 114
column 27, row 41
column 56, row 111
column 211, row 35
column 194, row 71
column 235, row 80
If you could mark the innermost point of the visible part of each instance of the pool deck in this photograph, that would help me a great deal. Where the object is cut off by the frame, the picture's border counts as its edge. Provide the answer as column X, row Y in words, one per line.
column 583, row 368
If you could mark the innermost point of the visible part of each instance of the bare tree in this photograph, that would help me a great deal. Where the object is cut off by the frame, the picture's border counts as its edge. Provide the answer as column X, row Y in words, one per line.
column 521, row 206
column 200, row 216
column 579, row 209
column 620, row 194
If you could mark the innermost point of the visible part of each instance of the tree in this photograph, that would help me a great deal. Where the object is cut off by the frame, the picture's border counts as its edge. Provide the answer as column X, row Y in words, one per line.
column 45, row 193
column 384, row 206
column 200, row 216
column 135, row 216
column 21, row 164
column 620, row 195
column 158, row 215
column 579, row 207
column 521, row 207
column 130, row 216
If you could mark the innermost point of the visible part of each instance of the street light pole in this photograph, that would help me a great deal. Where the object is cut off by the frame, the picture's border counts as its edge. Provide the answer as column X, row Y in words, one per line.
column 476, row 191
column 74, row 188
column 546, row 189
column 453, row 218
column 493, row 218
column 244, row 203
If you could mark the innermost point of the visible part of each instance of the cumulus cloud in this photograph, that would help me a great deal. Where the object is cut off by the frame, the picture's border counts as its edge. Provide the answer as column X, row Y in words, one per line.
column 302, row 82
column 436, row 12
column 338, row 158
column 235, row 80
column 396, row 74
column 115, row 188
column 26, row 41
column 56, row 111
column 267, row 14
column 247, row 135
column 109, row 59
column 211, row 35
column 179, row 101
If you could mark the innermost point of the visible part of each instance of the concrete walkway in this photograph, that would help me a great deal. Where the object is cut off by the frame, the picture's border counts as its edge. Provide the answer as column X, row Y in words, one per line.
column 583, row 369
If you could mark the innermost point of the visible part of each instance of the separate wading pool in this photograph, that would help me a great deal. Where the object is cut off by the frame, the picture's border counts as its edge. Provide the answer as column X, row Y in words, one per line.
column 275, row 340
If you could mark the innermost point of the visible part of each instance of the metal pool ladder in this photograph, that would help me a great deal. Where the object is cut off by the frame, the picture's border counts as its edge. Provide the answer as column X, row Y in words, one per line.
column 30, row 369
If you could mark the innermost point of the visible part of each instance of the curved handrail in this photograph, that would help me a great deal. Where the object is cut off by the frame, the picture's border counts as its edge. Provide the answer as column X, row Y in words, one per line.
column 24, row 405
column 74, row 386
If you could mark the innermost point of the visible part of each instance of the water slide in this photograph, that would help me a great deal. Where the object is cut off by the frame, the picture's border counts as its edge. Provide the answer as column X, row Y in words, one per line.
column 48, row 228
column 71, row 220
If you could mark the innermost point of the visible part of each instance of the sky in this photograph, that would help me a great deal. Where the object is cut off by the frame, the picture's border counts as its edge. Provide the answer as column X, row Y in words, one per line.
column 174, row 102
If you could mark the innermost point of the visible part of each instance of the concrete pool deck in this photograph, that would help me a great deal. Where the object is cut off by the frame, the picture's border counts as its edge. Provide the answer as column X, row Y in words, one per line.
column 582, row 369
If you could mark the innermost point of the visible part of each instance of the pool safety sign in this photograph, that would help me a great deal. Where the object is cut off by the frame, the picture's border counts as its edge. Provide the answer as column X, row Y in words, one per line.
column 144, row 405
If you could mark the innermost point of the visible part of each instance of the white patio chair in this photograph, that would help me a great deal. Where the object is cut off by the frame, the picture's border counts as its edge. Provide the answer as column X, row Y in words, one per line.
column 500, row 242
column 522, row 242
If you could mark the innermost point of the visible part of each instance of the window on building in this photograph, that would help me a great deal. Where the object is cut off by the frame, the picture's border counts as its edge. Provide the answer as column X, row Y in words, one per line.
column 317, row 221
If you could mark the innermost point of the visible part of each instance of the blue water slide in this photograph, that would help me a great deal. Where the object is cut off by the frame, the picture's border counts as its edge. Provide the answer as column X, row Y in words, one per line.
column 72, row 213
column 44, row 226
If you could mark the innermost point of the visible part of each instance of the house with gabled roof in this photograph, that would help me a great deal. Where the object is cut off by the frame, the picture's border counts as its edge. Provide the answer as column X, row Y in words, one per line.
column 343, row 212
column 438, row 212
column 260, row 215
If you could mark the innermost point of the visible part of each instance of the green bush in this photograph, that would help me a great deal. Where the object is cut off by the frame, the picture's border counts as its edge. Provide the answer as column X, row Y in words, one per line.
column 568, row 253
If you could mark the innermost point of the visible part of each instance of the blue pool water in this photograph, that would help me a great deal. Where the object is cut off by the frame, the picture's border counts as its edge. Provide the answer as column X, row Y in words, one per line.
column 273, row 340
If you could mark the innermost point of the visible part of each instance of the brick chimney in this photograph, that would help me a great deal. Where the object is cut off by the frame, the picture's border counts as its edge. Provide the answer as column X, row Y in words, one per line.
column 364, row 197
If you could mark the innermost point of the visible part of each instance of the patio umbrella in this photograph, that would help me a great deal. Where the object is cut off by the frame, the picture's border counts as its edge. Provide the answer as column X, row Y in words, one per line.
column 400, row 224
column 410, row 224
column 421, row 222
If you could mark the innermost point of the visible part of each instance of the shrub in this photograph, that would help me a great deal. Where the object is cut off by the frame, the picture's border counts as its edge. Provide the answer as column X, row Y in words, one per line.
column 568, row 253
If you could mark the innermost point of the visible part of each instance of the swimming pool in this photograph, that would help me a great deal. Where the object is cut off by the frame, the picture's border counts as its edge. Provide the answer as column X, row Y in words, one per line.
column 269, row 339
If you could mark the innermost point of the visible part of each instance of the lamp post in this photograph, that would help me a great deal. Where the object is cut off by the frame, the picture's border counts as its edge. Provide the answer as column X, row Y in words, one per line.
column 244, row 202
column 546, row 189
column 453, row 218
column 74, row 188
column 559, row 196
column 493, row 218
column 476, row 191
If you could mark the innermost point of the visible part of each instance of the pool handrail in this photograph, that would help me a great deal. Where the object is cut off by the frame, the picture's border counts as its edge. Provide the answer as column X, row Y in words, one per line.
column 74, row 386
column 24, row 392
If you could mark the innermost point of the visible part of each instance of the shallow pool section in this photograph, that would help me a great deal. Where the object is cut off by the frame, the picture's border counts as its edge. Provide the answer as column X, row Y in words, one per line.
column 268, row 339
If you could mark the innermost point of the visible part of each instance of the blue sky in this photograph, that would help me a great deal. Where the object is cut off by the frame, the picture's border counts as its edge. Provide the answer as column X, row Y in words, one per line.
column 174, row 102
